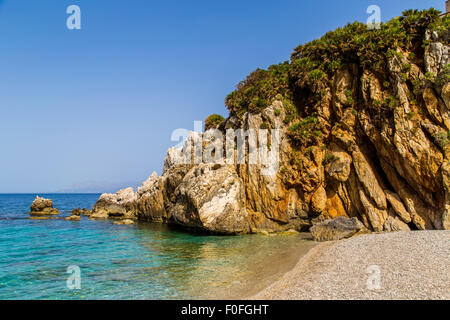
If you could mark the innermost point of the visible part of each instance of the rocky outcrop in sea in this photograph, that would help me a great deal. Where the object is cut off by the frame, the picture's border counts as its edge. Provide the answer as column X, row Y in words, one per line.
column 43, row 207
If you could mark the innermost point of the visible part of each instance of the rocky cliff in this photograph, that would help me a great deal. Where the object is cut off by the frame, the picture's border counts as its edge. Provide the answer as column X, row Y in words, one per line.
column 364, row 117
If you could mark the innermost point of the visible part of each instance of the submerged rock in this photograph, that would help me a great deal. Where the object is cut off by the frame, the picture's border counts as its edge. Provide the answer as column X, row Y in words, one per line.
column 76, row 214
column 38, row 217
column 337, row 229
column 124, row 222
column 79, row 212
column 73, row 218
column 43, row 207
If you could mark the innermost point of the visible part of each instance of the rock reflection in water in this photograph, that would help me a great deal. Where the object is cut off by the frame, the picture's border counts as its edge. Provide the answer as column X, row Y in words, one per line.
column 220, row 267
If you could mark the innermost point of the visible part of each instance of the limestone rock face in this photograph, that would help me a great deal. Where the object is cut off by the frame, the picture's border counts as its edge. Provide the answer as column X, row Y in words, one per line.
column 436, row 55
column 151, row 200
column 446, row 181
column 42, row 206
column 220, row 198
column 337, row 229
column 398, row 207
column 121, row 204
column 211, row 197
column 376, row 157
column 340, row 168
column 319, row 200
column 394, row 223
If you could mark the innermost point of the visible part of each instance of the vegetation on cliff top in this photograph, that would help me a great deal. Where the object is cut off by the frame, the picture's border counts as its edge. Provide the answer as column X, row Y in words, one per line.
column 303, row 80
column 255, row 93
column 213, row 120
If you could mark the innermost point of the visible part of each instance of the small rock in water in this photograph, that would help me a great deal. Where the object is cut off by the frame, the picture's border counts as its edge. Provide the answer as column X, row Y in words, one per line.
column 43, row 207
column 73, row 218
column 124, row 222
column 79, row 212
column 76, row 212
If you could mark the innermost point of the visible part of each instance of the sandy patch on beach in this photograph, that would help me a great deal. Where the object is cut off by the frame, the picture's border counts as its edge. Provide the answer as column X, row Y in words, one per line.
column 401, row 265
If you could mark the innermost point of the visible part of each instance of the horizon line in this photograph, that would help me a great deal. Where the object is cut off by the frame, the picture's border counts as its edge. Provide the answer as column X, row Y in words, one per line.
column 1, row 193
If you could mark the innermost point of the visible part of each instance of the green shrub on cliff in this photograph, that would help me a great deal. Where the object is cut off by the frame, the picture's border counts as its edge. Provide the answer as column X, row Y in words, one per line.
column 329, row 158
column 442, row 138
column 291, row 111
column 306, row 131
column 256, row 92
column 355, row 43
column 440, row 25
column 443, row 77
column 213, row 120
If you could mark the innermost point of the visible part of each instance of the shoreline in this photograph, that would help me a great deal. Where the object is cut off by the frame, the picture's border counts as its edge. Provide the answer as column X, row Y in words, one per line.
column 411, row 266
column 272, row 272
column 262, row 273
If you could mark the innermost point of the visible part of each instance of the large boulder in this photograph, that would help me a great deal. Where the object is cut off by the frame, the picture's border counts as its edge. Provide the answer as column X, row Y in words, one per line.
column 151, row 200
column 211, row 197
column 337, row 229
column 43, row 207
column 122, row 204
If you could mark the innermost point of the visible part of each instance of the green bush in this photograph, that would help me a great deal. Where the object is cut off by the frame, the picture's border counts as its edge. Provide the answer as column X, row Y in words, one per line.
column 443, row 138
column 443, row 77
column 307, row 131
column 430, row 76
column 329, row 158
column 258, row 90
column 349, row 96
column 213, row 120
column 410, row 115
column 291, row 111
column 316, row 74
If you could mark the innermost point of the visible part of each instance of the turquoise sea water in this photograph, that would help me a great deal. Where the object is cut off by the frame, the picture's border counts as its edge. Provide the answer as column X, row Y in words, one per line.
column 142, row 261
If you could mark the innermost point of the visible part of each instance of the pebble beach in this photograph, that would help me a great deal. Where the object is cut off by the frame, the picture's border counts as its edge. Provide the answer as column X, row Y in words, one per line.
column 391, row 266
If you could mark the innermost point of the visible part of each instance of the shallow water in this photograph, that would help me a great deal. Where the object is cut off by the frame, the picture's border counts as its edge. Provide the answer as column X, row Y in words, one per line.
column 142, row 261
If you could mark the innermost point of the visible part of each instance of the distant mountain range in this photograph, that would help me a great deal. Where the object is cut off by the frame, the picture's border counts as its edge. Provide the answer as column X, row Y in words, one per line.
column 97, row 187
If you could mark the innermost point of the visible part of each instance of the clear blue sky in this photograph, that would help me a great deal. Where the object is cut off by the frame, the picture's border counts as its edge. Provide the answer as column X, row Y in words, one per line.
column 93, row 109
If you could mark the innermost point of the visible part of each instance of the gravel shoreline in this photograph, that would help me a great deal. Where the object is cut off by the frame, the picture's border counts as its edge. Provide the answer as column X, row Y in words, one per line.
column 410, row 265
